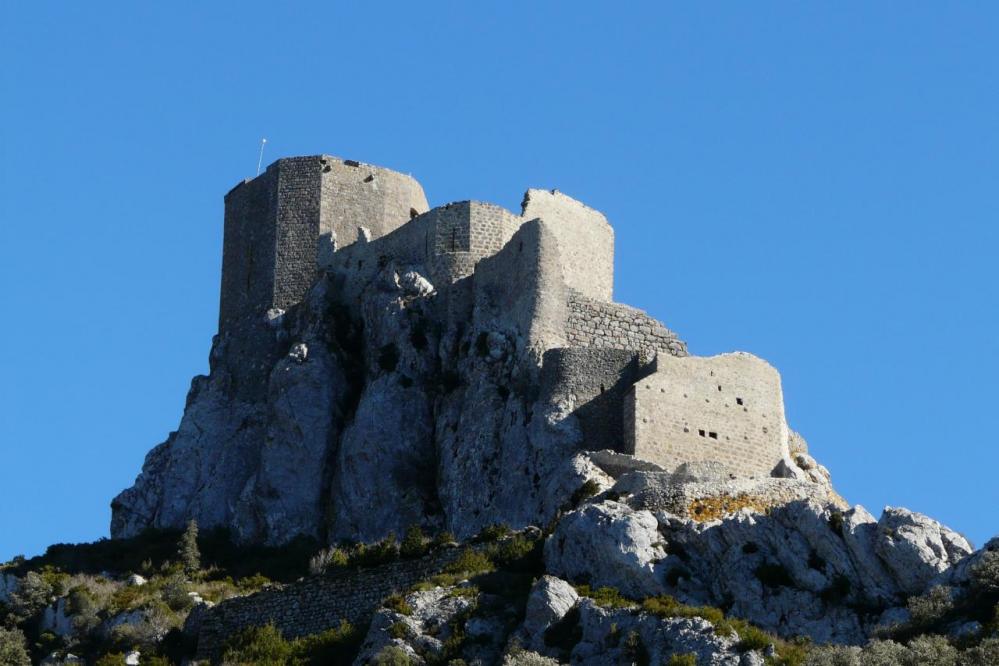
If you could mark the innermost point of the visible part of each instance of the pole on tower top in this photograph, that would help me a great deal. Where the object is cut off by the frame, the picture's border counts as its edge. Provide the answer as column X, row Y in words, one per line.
column 260, row 160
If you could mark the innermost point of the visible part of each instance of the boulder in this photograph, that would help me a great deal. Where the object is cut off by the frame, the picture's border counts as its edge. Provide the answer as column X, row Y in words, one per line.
column 915, row 548
column 608, row 544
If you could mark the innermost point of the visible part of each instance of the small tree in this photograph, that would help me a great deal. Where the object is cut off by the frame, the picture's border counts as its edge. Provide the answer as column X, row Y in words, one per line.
column 190, row 556
column 12, row 648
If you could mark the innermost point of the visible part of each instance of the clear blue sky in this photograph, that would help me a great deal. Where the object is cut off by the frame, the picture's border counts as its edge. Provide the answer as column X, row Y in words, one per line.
column 812, row 182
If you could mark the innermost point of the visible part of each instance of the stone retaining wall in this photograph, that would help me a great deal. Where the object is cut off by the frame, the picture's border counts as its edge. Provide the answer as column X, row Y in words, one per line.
column 315, row 604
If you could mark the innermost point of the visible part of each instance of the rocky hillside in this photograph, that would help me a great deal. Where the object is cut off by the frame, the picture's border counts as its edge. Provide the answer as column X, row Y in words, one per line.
column 387, row 472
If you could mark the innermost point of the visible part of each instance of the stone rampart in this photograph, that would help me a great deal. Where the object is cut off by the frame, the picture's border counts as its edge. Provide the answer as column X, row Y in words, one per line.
column 584, row 236
column 593, row 323
column 727, row 408
column 595, row 382
column 317, row 603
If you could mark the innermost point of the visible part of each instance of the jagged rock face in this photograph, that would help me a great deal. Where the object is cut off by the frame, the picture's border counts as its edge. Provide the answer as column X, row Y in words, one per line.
column 350, row 420
column 803, row 569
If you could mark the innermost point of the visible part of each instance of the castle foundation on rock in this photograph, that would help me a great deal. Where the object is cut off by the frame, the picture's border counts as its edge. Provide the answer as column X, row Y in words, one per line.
column 547, row 272
column 381, row 363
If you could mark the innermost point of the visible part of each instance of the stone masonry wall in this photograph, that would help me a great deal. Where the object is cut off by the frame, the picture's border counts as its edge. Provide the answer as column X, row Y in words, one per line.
column 248, row 246
column 595, row 381
column 464, row 232
column 727, row 408
column 585, row 237
column 274, row 225
column 296, row 230
column 355, row 194
column 594, row 323
column 520, row 290
column 316, row 603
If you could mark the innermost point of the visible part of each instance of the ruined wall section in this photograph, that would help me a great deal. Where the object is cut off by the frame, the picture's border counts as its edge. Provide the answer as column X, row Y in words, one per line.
column 594, row 382
column 727, row 408
column 355, row 194
column 521, row 290
column 465, row 232
column 586, row 239
column 592, row 323
column 316, row 603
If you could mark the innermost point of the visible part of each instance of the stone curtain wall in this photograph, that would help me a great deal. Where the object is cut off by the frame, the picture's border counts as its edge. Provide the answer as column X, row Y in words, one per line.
column 465, row 232
column 316, row 603
column 356, row 194
column 726, row 408
column 595, row 381
column 612, row 325
column 585, row 237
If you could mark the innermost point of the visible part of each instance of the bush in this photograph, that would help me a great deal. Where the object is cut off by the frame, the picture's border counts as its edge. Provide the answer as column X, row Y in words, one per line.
column 608, row 597
column 931, row 607
column 493, row 532
column 391, row 655
column 398, row 603
column 443, row 538
column 689, row 659
column 414, row 543
column 13, row 651
column 31, row 597
column 175, row 594
column 985, row 573
column 470, row 562
column 258, row 645
column 398, row 630
column 517, row 550
column 328, row 559
column 333, row 647
column 753, row 638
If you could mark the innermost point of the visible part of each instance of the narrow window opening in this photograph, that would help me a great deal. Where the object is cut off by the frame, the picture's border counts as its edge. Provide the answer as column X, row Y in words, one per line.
column 360, row 264
column 454, row 236
column 701, row 433
column 713, row 435
column 601, row 388
column 738, row 401
column 719, row 387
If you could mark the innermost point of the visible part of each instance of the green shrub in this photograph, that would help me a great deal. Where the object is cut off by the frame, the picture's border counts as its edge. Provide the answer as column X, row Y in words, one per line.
column 391, row 655
column 258, row 645
column 493, row 532
column 175, row 594
column 666, row 606
column 254, row 582
column 588, row 489
column 931, row 607
column 608, row 597
column 31, row 597
column 414, row 543
column 111, row 659
column 516, row 550
column 985, row 573
column 328, row 559
column 689, row 659
column 386, row 550
column 470, row 562
column 752, row 638
column 443, row 538
column 13, row 649
column 333, row 647
column 398, row 630
column 398, row 603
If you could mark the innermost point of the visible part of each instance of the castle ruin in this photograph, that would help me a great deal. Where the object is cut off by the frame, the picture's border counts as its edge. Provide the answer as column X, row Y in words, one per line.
column 543, row 277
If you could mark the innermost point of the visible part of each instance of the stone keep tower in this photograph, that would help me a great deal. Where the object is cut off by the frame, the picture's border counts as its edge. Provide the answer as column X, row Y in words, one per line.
column 276, row 223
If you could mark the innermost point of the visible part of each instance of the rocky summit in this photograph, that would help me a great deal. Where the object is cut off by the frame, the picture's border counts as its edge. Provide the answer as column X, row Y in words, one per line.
column 430, row 435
